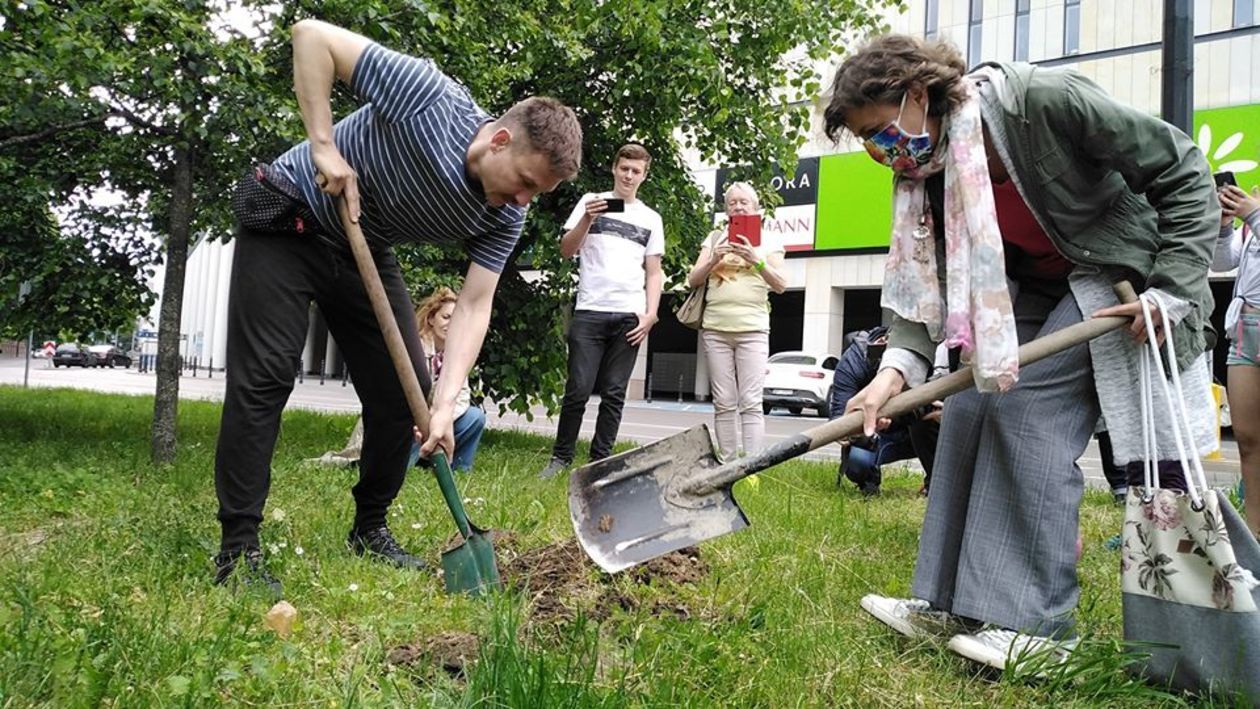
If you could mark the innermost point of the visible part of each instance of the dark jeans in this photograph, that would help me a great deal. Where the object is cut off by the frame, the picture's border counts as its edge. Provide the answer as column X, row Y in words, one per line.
column 1115, row 477
column 275, row 277
column 600, row 360
column 861, row 465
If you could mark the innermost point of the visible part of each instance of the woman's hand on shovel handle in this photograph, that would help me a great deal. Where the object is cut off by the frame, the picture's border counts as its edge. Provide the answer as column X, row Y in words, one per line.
column 1138, row 328
column 441, row 432
column 886, row 384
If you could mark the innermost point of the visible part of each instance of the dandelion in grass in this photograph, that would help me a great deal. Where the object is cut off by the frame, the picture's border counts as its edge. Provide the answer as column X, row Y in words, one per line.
column 299, row 551
column 278, row 514
column 415, row 525
column 353, row 587
column 273, row 548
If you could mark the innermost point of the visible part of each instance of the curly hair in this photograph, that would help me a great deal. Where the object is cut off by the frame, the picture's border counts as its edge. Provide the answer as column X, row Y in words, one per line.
column 431, row 305
column 550, row 128
column 882, row 70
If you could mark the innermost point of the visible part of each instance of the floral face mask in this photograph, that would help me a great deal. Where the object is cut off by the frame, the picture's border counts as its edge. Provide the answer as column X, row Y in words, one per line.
column 898, row 148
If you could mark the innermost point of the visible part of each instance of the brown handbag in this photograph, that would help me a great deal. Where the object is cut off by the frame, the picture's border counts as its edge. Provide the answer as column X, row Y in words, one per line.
column 691, row 311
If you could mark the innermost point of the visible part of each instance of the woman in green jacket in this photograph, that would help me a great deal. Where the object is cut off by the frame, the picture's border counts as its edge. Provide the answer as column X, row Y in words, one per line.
column 1020, row 195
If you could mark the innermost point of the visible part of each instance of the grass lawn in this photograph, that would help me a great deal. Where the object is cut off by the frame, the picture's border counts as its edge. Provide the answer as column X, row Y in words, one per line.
column 105, row 593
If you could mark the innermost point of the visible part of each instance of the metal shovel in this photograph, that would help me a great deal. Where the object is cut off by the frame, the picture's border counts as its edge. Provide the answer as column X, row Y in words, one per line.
column 468, row 567
column 675, row 493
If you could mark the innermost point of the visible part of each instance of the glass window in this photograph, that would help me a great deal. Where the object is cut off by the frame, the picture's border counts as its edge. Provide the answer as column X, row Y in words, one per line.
column 1244, row 13
column 793, row 358
column 1072, row 27
column 973, row 45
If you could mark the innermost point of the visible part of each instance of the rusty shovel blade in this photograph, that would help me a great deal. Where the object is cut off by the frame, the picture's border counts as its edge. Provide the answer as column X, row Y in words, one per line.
column 633, row 506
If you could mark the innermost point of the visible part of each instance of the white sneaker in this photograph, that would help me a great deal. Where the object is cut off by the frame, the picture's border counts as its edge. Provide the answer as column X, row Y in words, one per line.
column 912, row 617
column 996, row 647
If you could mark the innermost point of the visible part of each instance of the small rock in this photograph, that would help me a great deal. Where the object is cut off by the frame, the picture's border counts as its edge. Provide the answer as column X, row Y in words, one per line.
column 281, row 618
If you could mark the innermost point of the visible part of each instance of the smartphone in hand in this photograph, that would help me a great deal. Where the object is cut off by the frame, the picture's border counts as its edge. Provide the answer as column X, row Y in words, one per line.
column 615, row 204
column 746, row 225
column 1224, row 178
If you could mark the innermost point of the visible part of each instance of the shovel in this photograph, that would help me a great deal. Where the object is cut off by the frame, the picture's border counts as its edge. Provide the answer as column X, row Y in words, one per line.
column 675, row 493
column 469, row 566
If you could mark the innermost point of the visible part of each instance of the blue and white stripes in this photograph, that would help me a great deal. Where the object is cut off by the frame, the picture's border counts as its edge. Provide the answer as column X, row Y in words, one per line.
column 408, row 143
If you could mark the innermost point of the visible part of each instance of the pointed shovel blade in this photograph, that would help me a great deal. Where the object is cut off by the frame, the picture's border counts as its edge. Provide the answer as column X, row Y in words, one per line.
column 627, row 509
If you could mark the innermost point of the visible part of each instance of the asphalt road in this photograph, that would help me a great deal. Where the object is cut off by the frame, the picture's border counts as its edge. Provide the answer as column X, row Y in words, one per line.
column 642, row 421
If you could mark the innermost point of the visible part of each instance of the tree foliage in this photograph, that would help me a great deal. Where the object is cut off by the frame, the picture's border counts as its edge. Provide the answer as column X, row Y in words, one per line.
column 729, row 81
column 155, row 103
column 165, row 102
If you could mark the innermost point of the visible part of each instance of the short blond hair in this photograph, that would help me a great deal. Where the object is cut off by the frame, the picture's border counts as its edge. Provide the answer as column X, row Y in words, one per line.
column 550, row 128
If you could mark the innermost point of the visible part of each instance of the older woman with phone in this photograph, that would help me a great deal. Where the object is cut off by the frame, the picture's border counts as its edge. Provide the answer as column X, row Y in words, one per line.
column 738, row 271
column 1241, row 250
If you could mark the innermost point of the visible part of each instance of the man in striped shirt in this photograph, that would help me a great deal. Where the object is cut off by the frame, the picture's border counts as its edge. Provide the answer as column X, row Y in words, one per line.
column 418, row 161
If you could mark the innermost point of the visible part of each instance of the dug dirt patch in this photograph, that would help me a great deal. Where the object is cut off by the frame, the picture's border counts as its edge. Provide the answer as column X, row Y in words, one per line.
column 452, row 652
column 560, row 581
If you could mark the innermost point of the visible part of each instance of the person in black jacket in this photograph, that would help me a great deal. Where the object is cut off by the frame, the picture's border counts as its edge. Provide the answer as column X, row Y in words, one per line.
column 909, row 436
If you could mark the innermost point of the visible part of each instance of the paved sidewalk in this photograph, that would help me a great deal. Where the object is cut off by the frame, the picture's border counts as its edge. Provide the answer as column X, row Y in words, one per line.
column 642, row 422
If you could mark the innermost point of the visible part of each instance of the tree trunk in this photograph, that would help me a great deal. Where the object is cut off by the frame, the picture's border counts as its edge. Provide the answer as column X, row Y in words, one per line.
column 166, row 398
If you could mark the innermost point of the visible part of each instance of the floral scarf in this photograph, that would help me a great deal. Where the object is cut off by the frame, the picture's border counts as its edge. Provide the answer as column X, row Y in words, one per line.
column 975, row 312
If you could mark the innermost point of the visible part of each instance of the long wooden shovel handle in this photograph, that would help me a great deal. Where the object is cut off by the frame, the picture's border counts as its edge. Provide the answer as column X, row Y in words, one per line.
column 402, row 362
column 385, row 318
column 850, row 424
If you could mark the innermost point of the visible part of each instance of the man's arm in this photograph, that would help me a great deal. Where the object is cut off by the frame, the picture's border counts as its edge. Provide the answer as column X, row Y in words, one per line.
column 467, row 331
column 573, row 239
column 321, row 54
column 654, row 279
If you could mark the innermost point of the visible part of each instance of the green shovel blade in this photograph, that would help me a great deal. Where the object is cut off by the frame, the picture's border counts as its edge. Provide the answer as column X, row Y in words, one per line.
column 469, row 566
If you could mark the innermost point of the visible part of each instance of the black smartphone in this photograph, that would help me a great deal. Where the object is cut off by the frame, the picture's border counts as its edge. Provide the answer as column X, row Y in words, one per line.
column 1224, row 178
column 615, row 204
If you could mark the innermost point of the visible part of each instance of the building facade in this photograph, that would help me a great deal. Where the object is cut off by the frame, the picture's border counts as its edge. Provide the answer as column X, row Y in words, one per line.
column 837, row 237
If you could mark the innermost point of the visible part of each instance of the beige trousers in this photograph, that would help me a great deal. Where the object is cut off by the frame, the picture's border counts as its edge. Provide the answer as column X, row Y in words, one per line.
column 737, row 373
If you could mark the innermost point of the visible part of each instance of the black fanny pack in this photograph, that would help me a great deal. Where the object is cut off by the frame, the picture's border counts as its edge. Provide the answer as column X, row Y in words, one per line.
column 265, row 201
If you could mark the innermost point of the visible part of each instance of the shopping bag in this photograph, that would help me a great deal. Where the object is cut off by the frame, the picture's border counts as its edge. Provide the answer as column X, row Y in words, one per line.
column 1191, row 600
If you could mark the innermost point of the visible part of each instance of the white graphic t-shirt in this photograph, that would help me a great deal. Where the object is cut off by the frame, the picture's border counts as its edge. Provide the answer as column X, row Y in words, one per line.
column 611, row 277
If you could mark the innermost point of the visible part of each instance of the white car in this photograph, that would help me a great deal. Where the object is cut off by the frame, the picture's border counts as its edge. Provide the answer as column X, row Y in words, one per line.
column 798, row 380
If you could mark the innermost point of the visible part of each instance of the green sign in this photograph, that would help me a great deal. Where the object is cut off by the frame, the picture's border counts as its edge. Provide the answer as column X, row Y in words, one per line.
column 854, row 203
column 1230, row 138
column 855, row 192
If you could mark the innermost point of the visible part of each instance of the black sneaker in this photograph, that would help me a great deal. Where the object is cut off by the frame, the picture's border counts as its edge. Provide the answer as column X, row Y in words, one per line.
column 247, row 568
column 554, row 468
column 379, row 543
column 869, row 489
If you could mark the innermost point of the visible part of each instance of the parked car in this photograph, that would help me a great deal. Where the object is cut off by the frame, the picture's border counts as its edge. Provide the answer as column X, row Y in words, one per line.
column 110, row 356
column 798, row 381
column 70, row 354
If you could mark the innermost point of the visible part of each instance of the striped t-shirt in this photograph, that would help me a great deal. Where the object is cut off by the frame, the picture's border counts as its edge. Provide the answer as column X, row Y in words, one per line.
column 408, row 143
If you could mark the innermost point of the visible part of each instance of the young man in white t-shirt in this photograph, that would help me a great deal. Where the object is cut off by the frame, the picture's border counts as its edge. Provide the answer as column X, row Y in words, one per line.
column 619, row 288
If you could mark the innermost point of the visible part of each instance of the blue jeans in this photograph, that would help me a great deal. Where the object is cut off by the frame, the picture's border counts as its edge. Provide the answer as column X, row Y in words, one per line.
column 861, row 465
column 468, row 429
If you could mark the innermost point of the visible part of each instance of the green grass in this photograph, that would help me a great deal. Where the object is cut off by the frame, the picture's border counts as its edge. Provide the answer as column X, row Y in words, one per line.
column 105, row 592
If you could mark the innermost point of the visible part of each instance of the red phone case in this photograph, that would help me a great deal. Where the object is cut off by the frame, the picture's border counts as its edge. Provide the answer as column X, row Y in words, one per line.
column 747, row 225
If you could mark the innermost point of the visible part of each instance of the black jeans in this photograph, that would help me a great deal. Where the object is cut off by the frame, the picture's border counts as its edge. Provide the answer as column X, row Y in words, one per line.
column 275, row 277
column 600, row 359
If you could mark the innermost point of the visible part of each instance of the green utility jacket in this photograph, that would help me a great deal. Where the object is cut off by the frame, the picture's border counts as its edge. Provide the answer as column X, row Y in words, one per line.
column 1113, row 187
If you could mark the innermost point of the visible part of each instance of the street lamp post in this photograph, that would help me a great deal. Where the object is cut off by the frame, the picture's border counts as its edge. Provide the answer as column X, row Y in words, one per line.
column 1177, row 70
